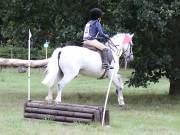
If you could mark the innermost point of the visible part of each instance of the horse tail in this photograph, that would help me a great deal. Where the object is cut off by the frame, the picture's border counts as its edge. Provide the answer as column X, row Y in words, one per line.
column 53, row 69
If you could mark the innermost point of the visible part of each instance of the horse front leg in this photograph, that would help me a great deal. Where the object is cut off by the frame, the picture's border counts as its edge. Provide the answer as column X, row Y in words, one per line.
column 117, row 80
column 49, row 97
column 120, row 97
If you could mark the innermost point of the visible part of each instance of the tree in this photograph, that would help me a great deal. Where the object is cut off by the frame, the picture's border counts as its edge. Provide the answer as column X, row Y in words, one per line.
column 59, row 21
column 174, row 40
column 158, row 41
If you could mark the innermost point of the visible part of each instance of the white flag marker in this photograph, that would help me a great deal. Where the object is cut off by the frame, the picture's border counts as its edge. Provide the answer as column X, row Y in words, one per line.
column 29, row 65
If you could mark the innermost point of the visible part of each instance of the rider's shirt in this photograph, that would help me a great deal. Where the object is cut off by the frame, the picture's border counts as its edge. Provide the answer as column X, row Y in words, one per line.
column 93, row 29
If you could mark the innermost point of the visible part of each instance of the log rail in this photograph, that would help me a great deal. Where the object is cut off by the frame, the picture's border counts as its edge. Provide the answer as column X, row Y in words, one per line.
column 4, row 62
column 63, row 112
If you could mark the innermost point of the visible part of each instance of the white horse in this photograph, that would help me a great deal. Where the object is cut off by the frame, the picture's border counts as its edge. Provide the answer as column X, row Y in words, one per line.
column 67, row 62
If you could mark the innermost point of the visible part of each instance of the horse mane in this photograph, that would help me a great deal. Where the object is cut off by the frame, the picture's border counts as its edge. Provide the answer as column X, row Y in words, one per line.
column 119, row 37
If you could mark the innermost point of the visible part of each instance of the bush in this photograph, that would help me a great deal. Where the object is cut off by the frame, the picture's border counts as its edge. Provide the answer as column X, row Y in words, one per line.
column 22, row 53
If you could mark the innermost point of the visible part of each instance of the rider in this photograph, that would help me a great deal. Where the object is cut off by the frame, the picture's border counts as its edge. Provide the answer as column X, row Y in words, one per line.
column 94, row 30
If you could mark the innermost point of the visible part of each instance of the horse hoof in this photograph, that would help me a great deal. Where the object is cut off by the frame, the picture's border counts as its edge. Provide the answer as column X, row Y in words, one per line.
column 122, row 105
column 57, row 102
column 48, row 100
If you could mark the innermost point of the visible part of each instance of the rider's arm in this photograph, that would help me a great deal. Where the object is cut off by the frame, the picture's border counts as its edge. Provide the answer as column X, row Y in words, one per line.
column 100, row 30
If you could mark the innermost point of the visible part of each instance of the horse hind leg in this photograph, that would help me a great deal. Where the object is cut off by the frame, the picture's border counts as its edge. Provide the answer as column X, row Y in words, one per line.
column 49, row 97
column 61, row 84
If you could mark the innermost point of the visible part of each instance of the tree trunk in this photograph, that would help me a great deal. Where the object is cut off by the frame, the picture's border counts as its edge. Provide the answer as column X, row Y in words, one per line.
column 174, row 41
column 174, row 87
column 175, row 81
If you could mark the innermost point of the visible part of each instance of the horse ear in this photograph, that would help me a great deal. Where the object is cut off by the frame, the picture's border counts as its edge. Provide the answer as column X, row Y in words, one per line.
column 131, row 35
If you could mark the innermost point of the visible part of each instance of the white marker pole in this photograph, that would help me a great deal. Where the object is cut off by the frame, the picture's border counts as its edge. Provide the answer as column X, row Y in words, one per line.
column 46, row 52
column 107, row 95
column 46, row 44
column 29, row 66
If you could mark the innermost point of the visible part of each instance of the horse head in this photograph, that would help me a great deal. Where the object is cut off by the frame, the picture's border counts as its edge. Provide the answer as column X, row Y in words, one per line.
column 122, row 44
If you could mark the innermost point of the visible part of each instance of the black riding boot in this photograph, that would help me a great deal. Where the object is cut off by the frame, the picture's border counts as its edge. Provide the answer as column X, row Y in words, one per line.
column 105, row 63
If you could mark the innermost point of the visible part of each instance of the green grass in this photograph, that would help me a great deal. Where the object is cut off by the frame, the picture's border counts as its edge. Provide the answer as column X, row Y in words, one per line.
column 148, row 111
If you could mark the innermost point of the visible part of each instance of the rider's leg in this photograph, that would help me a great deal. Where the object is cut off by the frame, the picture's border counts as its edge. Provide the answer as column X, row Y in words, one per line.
column 104, row 55
column 95, row 43
column 104, row 51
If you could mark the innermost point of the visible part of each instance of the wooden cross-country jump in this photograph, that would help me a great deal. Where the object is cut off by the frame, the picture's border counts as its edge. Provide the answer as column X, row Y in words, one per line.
column 64, row 112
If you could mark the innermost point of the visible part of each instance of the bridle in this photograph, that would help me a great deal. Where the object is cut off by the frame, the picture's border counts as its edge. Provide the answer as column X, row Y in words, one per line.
column 130, row 53
column 119, row 51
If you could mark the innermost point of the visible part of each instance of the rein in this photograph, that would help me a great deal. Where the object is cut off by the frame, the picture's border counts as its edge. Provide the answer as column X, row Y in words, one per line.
column 111, row 45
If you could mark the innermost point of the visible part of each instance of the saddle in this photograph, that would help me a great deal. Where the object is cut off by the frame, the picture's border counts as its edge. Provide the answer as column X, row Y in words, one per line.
column 109, row 57
column 92, row 48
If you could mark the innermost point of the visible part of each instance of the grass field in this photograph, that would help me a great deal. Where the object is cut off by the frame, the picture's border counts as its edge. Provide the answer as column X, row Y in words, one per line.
column 148, row 111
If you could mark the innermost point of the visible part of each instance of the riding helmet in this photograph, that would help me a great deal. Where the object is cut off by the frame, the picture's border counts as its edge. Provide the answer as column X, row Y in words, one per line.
column 95, row 13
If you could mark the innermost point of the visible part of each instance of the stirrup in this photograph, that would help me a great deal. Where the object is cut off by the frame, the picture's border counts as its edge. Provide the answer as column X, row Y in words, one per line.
column 107, row 66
